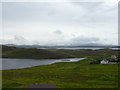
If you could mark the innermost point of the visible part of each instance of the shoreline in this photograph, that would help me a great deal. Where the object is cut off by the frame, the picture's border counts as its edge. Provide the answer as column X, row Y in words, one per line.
column 39, row 61
column 80, row 75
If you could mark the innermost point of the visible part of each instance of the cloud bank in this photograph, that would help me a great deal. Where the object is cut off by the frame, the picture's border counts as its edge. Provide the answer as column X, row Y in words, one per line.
column 63, row 23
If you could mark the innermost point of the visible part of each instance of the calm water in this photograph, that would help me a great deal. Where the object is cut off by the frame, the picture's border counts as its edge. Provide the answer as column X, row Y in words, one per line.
column 24, row 63
column 77, row 48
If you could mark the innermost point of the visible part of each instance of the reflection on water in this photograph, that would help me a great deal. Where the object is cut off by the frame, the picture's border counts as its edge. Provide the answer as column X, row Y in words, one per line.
column 23, row 63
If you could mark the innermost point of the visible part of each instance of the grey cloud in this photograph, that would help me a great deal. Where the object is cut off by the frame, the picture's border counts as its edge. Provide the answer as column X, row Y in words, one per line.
column 58, row 32
column 82, row 40
column 33, row 11
column 87, row 13
column 25, row 11
column 96, row 12
column 20, row 40
column 71, row 17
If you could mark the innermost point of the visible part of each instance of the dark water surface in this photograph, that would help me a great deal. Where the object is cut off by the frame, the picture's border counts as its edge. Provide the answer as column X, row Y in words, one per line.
column 24, row 63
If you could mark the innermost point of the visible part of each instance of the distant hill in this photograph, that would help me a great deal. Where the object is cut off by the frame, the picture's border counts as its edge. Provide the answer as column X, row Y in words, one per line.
column 63, row 46
column 15, row 52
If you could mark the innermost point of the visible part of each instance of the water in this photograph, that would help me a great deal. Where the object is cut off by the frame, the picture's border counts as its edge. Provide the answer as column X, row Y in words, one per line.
column 77, row 48
column 24, row 63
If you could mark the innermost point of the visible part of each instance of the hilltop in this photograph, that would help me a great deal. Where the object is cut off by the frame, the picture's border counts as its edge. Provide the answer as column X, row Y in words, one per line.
column 15, row 52
column 19, row 52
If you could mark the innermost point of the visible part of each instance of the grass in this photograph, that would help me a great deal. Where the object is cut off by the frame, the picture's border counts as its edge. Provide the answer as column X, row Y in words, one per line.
column 65, row 75
column 91, row 53
column 32, row 53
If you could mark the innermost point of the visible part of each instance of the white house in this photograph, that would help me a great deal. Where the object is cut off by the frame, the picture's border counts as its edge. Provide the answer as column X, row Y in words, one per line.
column 113, row 57
column 104, row 61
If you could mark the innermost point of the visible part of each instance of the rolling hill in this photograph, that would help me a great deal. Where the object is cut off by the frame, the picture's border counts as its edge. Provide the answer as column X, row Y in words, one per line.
column 33, row 53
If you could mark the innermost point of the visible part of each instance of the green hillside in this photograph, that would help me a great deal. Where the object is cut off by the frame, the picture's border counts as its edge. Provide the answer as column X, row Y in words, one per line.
column 13, row 52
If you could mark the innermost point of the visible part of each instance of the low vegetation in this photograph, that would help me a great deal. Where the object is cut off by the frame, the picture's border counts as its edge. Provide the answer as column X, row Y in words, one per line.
column 65, row 75
column 15, row 52
column 80, row 74
column 32, row 53
column 91, row 53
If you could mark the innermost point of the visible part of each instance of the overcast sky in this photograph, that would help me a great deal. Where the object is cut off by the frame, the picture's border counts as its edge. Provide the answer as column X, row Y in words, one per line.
column 60, row 23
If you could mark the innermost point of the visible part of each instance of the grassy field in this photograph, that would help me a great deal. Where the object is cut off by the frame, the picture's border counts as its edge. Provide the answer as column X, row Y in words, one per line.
column 82, row 74
column 65, row 75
